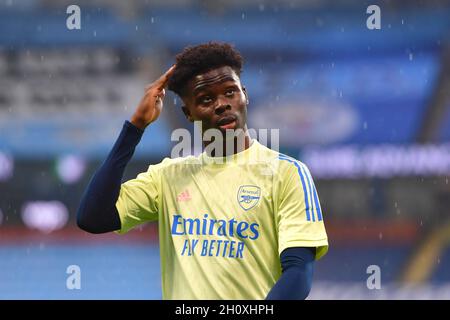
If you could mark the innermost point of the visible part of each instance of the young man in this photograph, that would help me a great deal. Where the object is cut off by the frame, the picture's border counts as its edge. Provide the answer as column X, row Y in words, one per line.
column 248, row 226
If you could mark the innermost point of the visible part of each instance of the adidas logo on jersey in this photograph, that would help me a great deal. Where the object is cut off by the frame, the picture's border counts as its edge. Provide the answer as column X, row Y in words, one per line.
column 184, row 196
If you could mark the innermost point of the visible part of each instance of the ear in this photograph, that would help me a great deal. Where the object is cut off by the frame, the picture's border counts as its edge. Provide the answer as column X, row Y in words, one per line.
column 246, row 95
column 187, row 113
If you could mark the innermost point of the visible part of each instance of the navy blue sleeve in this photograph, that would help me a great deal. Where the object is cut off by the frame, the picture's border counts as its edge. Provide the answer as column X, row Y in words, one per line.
column 97, row 212
column 295, row 282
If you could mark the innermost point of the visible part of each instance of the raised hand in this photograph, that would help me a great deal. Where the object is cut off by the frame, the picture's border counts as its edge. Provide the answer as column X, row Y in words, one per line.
column 151, row 103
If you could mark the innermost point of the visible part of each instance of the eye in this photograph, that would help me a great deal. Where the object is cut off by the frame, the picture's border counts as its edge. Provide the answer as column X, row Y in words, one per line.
column 230, row 92
column 204, row 99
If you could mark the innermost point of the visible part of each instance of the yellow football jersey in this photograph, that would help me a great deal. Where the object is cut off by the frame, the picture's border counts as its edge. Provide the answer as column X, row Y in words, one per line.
column 223, row 222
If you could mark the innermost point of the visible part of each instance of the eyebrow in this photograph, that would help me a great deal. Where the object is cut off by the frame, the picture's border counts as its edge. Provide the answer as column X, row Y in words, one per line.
column 205, row 83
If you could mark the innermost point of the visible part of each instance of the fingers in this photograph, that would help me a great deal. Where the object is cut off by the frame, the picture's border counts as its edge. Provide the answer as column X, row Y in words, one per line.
column 160, row 95
column 162, row 81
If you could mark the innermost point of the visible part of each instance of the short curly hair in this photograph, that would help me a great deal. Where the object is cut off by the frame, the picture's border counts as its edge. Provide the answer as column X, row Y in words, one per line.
column 194, row 60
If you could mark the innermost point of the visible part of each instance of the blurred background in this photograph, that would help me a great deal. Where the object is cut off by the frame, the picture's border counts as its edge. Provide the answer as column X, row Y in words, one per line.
column 367, row 110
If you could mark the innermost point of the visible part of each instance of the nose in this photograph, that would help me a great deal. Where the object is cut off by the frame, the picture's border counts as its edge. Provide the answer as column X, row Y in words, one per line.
column 222, row 106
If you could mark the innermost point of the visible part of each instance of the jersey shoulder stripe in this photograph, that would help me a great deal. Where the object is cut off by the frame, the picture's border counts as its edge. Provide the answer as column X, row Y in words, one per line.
column 311, row 198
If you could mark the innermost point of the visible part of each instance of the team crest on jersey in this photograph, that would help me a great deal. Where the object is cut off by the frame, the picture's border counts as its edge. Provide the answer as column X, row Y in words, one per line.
column 248, row 196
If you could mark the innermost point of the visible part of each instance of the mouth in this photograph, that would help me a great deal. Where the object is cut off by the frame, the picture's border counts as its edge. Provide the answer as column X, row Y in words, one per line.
column 227, row 122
